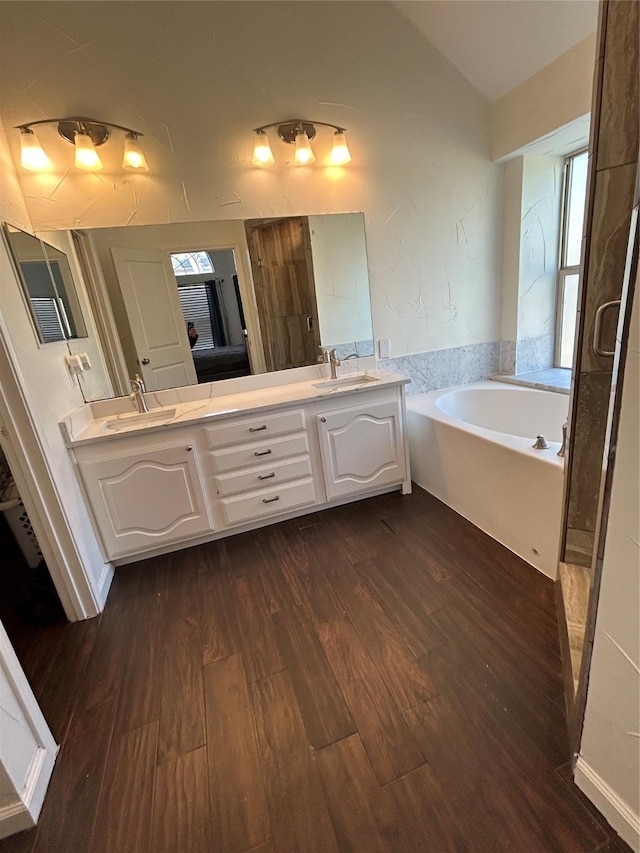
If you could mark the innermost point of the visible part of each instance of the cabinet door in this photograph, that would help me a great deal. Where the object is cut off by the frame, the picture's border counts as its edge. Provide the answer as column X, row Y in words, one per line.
column 147, row 498
column 361, row 448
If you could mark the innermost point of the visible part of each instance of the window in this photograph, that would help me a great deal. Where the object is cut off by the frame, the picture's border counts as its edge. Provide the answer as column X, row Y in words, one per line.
column 195, row 307
column 191, row 263
column 575, row 191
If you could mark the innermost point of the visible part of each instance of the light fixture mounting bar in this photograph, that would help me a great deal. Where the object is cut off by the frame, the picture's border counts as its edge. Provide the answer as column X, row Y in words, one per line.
column 287, row 130
column 98, row 131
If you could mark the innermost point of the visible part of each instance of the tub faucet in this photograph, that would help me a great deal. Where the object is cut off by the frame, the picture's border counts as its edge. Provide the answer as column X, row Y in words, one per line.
column 137, row 395
column 335, row 363
column 563, row 449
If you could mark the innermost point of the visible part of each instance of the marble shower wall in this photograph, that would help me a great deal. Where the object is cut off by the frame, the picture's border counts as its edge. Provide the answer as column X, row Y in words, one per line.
column 610, row 198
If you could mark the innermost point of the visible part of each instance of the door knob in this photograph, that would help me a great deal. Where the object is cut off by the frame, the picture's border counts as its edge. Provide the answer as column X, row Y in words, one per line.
column 144, row 361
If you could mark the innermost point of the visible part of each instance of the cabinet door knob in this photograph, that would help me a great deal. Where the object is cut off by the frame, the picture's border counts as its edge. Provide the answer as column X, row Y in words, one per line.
column 189, row 447
column 324, row 420
column 144, row 361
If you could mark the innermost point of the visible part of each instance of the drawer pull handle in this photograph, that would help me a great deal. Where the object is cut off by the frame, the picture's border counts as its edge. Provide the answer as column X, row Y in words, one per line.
column 262, row 453
column 266, row 476
column 270, row 500
column 257, row 429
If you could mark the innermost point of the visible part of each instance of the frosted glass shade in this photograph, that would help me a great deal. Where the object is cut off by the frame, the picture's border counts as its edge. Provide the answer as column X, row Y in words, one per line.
column 304, row 154
column 340, row 151
column 32, row 155
column 86, row 154
column 262, row 153
column 133, row 160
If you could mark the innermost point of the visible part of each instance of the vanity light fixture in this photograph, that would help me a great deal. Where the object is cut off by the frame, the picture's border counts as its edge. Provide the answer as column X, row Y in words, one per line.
column 299, row 132
column 86, row 134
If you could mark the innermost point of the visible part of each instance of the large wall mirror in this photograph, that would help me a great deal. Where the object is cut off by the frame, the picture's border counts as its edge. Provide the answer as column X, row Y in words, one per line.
column 203, row 301
column 48, row 285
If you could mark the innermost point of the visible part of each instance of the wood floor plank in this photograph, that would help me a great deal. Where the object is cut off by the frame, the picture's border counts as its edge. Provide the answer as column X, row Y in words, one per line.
column 257, row 640
column 408, row 612
column 525, row 798
column 426, row 814
column 126, row 802
column 216, row 606
column 408, row 683
column 71, row 805
column 239, row 813
column 487, row 677
column 308, row 584
column 298, row 813
column 322, row 707
column 390, row 746
column 181, row 812
column 363, row 814
column 182, row 716
column 62, row 687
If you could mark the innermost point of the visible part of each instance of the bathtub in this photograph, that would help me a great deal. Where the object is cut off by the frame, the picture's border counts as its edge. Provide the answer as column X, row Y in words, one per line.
column 471, row 447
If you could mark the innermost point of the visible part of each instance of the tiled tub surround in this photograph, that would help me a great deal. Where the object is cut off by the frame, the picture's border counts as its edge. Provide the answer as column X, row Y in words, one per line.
column 526, row 355
column 444, row 368
column 471, row 447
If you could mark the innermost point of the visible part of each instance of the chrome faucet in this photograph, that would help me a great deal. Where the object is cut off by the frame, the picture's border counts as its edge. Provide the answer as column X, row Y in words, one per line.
column 137, row 394
column 335, row 363
column 563, row 449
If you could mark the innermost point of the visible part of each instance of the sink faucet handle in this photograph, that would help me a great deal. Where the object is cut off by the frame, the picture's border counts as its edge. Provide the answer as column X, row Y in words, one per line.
column 324, row 355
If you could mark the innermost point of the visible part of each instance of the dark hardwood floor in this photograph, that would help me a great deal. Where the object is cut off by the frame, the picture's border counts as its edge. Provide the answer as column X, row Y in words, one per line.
column 377, row 677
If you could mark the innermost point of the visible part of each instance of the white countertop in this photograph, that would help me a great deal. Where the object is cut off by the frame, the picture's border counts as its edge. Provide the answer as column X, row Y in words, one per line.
column 77, row 430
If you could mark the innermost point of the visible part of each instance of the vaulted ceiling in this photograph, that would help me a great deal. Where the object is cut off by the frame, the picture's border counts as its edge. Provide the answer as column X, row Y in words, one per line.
column 498, row 44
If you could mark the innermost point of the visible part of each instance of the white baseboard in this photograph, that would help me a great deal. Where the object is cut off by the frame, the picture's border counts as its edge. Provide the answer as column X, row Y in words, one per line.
column 14, row 818
column 104, row 584
column 625, row 822
column 23, row 813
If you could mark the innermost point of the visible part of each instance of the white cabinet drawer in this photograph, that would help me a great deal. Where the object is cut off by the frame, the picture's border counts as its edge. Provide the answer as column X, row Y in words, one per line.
column 259, row 453
column 269, row 501
column 254, row 428
column 263, row 477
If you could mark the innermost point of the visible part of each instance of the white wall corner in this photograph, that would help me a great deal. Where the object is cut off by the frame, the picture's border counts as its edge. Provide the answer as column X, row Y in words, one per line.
column 620, row 815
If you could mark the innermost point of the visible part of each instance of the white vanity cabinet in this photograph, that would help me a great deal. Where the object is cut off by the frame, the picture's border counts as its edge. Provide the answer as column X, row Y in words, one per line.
column 362, row 447
column 158, row 488
column 262, row 465
column 145, row 491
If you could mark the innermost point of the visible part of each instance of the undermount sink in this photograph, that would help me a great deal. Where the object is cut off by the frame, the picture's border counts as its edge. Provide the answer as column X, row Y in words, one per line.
column 138, row 419
column 342, row 381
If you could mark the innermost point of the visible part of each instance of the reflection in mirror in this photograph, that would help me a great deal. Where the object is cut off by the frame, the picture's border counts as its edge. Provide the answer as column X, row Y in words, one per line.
column 202, row 301
column 48, row 285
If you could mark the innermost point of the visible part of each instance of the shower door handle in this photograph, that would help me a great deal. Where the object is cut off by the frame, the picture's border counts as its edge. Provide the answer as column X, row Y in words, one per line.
column 309, row 323
column 597, row 328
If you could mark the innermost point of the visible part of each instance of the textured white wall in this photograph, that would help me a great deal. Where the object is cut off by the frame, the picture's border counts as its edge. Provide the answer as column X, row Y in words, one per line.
column 53, row 392
column 418, row 132
column 611, row 737
column 547, row 101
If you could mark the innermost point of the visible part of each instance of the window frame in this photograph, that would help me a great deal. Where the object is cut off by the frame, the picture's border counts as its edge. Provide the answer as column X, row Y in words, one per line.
column 565, row 270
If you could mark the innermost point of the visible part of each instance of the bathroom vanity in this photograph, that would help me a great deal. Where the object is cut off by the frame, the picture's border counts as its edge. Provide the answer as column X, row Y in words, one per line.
column 190, row 472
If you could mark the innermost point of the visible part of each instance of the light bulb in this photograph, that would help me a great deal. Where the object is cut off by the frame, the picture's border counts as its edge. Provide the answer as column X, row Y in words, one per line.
column 133, row 160
column 86, row 154
column 340, row 151
column 262, row 153
column 32, row 155
column 304, row 155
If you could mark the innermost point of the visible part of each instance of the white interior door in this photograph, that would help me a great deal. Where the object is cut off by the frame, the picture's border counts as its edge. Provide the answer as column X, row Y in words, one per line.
column 150, row 295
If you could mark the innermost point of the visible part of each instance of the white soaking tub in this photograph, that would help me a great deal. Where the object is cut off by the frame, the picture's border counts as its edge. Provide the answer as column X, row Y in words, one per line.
column 471, row 447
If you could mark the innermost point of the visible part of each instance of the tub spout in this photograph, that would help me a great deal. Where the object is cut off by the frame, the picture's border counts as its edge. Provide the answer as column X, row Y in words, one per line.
column 563, row 449
column 540, row 443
